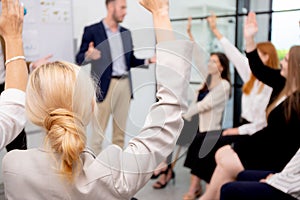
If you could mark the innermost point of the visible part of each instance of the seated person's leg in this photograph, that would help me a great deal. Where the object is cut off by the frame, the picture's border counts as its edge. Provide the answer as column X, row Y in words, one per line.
column 249, row 190
column 253, row 175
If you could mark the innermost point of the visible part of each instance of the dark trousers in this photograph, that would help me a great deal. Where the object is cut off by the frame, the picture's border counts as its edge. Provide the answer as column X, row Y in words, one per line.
column 20, row 142
column 248, row 187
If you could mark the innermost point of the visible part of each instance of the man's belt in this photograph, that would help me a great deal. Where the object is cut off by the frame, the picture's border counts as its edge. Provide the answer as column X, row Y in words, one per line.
column 120, row 77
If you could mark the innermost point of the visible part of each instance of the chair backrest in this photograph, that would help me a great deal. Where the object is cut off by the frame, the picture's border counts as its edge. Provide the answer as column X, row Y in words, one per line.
column 188, row 131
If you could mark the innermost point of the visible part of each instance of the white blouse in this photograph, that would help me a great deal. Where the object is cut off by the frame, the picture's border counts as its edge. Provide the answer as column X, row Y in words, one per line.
column 2, row 67
column 114, row 174
column 288, row 180
column 12, row 115
column 253, row 104
column 211, row 108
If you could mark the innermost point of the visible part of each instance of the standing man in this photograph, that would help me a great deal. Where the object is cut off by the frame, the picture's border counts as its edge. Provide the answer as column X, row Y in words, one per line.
column 109, row 48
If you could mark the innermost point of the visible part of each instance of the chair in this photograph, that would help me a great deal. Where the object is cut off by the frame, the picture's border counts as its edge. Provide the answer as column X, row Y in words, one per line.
column 186, row 136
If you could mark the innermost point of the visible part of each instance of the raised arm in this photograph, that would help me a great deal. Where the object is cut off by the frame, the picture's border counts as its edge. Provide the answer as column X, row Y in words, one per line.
column 264, row 73
column 212, row 22
column 161, row 20
column 200, row 56
column 239, row 60
column 134, row 166
column 250, row 30
column 12, row 101
column 189, row 29
column 11, row 26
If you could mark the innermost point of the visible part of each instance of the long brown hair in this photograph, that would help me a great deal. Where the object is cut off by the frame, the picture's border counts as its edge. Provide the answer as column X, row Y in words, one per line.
column 225, row 74
column 225, row 64
column 292, row 86
column 266, row 48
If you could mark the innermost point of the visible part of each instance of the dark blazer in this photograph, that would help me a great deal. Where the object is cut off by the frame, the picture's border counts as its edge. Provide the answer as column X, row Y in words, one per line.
column 272, row 147
column 101, row 69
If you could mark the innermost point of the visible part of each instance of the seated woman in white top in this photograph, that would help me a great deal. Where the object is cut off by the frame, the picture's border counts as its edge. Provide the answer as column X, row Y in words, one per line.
column 210, row 110
column 256, row 95
column 60, row 98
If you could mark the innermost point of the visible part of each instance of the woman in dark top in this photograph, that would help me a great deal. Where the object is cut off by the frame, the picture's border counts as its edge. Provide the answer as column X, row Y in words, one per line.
column 272, row 147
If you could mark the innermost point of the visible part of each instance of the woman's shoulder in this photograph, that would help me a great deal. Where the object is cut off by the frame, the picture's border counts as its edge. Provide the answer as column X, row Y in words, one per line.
column 222, row 87
column 225, row 83
column 16, row 158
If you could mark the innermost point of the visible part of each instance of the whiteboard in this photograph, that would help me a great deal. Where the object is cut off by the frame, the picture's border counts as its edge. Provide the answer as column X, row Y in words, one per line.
column 48, row 29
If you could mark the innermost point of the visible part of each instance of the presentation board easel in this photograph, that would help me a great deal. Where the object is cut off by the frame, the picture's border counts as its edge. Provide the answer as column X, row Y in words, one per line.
column 48, row 29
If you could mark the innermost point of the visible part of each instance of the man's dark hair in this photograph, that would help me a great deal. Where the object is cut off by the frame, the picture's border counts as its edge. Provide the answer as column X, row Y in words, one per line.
column 108, row 1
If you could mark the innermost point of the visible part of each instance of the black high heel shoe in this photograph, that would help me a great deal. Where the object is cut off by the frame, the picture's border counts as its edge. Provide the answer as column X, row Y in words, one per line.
column 160, row 185
column 157, row 175
column 160, row 173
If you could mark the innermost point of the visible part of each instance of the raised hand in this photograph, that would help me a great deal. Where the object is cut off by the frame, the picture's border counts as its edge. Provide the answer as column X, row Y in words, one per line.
column 11, row 19
column 212, row 21
column 92, row 53
column 189, row 25
column 156, row 6
column 11, row 27
column 250, row 26
column 189, row 29
column 161, row 19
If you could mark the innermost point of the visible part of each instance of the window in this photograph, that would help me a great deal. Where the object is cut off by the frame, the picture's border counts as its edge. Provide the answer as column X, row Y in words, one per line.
column 285, row 25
